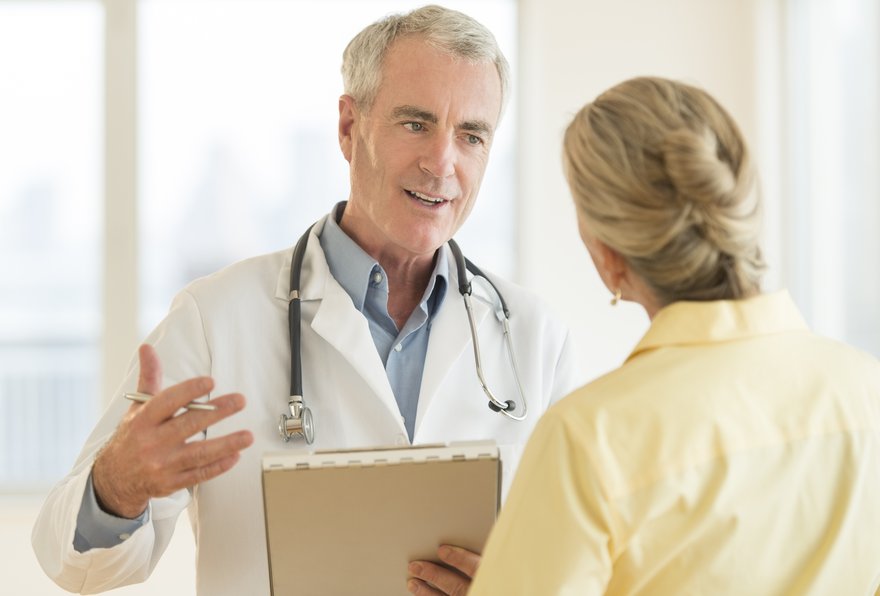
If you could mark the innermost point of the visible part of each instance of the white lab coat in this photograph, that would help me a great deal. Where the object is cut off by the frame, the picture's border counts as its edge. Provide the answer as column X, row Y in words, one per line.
column 233, row 326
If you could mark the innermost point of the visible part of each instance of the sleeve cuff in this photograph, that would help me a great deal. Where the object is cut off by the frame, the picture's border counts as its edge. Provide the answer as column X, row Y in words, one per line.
column 95, row 528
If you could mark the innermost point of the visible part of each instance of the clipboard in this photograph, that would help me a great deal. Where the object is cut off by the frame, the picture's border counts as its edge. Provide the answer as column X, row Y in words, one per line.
column 349, row 522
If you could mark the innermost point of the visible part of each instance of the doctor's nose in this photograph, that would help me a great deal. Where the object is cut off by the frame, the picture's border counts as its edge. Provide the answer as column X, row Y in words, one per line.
column 439, row 157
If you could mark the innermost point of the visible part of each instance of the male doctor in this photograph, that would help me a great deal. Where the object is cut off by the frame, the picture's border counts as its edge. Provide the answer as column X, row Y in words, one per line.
column 386, row 346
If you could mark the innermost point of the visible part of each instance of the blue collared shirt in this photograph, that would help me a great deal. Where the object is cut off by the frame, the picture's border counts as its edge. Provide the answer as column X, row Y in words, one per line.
column 403, row 353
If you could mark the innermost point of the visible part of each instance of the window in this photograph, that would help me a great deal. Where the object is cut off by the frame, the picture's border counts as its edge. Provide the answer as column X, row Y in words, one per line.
column 238, row 119
column 50, row 224
column 833, row 207
column 236, row 109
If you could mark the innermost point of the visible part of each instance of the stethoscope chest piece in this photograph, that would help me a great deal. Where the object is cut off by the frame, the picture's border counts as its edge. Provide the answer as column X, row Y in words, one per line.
column 298, row 423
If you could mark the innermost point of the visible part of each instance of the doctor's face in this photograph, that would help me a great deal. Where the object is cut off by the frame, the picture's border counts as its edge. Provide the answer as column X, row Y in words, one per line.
column 418, row 155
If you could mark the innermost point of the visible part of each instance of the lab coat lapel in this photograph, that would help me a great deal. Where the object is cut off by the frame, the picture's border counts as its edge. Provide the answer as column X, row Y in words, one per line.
column 450, row 337
column 341, row 325
column 347, row 330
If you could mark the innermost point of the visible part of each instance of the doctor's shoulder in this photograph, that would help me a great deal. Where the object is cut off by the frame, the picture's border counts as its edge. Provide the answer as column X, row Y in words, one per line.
column 540, row 332
column 527, row 308
column 249, row 281
column 536, row 321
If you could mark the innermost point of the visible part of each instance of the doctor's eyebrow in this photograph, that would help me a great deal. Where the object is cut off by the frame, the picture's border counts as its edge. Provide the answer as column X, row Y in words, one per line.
column 416, row 113
column 477, row 127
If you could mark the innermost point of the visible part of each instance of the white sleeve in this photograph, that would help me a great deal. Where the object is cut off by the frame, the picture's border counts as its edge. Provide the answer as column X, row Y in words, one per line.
column 180, row 342
column 567, row 376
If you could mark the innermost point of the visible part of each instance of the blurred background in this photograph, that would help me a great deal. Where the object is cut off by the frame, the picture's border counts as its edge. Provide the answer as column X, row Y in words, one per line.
column 144, row 143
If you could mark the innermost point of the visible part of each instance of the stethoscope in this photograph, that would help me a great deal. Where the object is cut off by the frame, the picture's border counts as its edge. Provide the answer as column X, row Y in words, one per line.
column 299, row 422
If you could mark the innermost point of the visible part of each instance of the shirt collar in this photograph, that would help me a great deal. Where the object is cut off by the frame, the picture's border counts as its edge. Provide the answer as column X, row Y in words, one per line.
column 352, row 267
column 692, row 323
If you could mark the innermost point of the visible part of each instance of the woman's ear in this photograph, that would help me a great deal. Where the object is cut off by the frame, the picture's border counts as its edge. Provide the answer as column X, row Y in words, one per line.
column 616, row 273
column 612, row 266
column 607, row 261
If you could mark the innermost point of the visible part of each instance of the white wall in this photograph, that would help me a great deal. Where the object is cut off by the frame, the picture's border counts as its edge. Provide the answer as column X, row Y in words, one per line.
column 570, row 51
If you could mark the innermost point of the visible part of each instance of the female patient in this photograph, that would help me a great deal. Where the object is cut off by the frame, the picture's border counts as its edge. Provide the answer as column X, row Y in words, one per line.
column 734, row 452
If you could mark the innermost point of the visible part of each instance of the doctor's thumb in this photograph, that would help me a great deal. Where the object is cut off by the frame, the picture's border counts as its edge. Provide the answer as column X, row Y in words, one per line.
column 150, row 376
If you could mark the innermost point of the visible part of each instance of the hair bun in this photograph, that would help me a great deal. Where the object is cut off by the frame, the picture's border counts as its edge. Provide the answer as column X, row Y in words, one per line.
column 661, row 174
column 698, row 167
column 715, row 193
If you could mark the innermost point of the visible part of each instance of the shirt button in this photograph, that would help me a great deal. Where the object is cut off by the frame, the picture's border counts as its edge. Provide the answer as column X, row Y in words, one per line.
column 398, row 347
column 124, row 536
column 377, row 277
column 402, row 439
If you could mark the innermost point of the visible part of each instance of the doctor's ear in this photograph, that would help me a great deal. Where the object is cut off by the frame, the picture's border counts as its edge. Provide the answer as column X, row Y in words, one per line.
column 348, row 115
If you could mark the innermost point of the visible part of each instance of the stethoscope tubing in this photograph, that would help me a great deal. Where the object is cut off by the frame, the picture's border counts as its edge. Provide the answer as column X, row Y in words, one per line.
column 299, row 421
column 466, row 290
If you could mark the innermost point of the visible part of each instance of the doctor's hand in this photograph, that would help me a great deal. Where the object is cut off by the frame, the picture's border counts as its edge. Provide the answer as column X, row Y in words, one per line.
column 454, row 578
column 149, row 456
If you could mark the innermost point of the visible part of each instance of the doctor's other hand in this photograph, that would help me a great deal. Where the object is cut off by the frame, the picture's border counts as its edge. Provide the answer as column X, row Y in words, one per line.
column 453, row 579
column 148, row 456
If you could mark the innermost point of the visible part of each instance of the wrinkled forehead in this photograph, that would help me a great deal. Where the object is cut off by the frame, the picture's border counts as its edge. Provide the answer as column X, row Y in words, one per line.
column 417, row 74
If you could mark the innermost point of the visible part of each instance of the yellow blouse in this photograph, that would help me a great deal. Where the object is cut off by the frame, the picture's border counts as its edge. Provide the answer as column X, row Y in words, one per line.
column 733, row 453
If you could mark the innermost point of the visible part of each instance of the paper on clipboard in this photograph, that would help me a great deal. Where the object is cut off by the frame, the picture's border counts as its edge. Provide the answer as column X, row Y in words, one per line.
column 349, row 522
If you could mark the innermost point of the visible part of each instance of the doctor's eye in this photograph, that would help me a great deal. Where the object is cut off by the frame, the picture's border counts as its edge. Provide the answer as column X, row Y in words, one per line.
column 414, row 126
column 474, row 140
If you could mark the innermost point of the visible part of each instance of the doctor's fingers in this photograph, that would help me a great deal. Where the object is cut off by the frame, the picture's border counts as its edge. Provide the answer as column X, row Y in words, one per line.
column 202, row 460
column 417, row 586
column 460, row 558
column 431, row 579
column 191, row 422
column 150, row 375
column 165, row 404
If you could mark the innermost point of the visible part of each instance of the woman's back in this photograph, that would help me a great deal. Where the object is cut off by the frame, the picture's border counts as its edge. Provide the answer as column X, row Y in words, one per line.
column 735, row 452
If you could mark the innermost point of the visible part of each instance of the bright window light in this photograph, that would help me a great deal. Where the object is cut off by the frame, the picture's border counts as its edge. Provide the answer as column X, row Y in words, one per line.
column 238, row 133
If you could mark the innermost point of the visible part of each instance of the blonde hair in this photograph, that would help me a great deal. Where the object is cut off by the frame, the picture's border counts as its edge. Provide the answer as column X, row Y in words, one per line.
column 660, row 173
column 448, row 30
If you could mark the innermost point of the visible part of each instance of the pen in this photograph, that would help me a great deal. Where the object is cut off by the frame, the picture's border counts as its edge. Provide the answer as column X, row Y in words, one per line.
column 144, row 398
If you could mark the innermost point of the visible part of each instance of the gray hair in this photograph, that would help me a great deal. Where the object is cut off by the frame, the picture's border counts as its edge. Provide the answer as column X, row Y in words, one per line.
column 447, row 30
